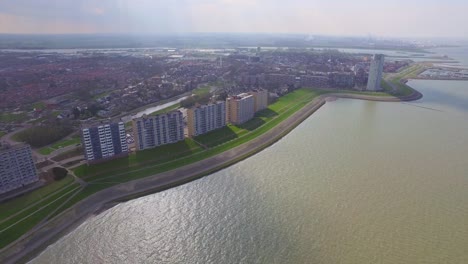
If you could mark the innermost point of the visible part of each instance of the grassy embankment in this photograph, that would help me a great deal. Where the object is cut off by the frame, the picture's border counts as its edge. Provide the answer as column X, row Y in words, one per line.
column 22, row 213
column 60, row 144
column 397, row 80
column 165, row 158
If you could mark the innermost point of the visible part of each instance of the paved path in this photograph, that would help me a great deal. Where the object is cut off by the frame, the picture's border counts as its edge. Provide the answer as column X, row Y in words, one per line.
column 37, row 240
column 8, row 139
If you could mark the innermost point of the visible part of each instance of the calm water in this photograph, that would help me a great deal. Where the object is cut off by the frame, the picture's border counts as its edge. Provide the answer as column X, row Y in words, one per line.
column 153, row 109
column 357, row 182
column 458, row 53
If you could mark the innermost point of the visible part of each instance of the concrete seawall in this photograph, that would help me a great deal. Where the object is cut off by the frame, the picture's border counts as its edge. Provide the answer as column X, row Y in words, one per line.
column 33, row 242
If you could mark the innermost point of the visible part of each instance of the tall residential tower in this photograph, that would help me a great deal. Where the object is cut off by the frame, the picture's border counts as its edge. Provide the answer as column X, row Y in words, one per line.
column 16, row 167
column 153, row 131
column 375, row 73
column 260, row 99
column 205, row 118
column 240, row 108
column 104, row 141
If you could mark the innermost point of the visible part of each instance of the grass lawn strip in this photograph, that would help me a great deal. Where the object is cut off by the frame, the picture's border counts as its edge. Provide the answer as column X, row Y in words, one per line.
column 100, row 184
column 60, row 144
column 10, row 207
column 16, row 230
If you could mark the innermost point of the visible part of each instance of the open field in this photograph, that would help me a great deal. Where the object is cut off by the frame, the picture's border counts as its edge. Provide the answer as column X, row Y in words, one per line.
column 8, row 118
column 11, row 207
column 202, row 90
column 60, row 144
column 157, row 155
column 16, row 226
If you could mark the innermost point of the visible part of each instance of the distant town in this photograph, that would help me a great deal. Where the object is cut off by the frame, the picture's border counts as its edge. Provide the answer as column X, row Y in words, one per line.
column 65, row 104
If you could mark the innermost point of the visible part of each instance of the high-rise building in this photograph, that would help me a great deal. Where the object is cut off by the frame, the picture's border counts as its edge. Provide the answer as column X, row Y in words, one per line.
column 104, row 141
column 375, row 73
column 153, row 131
column 17, row 167
column 205, row 118
column 240, row 108
column 260, row 99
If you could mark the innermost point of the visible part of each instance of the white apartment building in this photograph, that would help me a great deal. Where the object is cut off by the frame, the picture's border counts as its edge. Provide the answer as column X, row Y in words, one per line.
column 104, row 141
column 153, row 131
column 205, row 118
column 17, row 167
column 375, row 73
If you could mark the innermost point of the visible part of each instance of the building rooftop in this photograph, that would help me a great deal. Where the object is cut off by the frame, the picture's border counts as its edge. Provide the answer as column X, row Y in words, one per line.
column 241, row 96
column 98, row 124
column 4, row 146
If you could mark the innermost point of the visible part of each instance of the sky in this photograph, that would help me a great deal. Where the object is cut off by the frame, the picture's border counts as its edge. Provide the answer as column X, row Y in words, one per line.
column 390, row 18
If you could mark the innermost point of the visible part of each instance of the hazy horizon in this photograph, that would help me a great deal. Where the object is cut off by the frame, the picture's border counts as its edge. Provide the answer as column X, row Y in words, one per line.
column 398, row 18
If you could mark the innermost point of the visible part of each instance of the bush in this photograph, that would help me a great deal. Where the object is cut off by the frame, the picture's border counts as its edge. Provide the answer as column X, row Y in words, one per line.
column 59, row 173
column 194, row 99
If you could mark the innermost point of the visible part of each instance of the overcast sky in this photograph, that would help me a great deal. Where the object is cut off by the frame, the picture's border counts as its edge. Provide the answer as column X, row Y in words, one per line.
column 398, row 18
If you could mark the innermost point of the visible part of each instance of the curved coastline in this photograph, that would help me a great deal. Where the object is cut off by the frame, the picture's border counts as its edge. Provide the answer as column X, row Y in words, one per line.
column 32, row 243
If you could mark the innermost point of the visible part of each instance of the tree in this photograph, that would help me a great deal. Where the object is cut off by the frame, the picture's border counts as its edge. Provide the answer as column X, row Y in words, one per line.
column 59, row 173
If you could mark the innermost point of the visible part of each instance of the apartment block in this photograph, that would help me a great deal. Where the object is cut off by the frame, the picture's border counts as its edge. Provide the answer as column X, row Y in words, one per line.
column 17, row 167
column 375, row 73
column 260, row 99
column 153, row 131
column 205, row 118
column 104, row 141
column 240, row 108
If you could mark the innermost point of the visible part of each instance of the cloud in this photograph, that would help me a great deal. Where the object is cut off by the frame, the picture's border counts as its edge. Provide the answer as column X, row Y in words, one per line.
column 359, row 17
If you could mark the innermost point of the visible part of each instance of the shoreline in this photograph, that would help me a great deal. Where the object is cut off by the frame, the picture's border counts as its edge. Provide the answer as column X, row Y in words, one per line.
column 33, row 243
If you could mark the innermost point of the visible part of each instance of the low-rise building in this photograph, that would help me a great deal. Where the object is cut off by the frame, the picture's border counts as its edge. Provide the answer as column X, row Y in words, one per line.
column 17, row 167
column 240, row 108
column 153, row 131
column 104, row 141
column 205, row 118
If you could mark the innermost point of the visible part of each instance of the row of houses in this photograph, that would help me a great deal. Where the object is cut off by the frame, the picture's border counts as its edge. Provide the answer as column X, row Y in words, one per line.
column 106, row 141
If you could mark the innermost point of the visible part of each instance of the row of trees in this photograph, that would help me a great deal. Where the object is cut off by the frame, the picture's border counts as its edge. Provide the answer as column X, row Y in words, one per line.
column 194, row 99
column 40, row 136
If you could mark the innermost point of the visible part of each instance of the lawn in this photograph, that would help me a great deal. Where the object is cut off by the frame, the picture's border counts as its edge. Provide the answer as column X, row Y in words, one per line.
column 167, row 109
column 175, row 155
column 60, row 144
column 150, row 156
column 408, row 73
column 202, row 90
column 9, row 117
column 12, row 206
column 13, row 228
